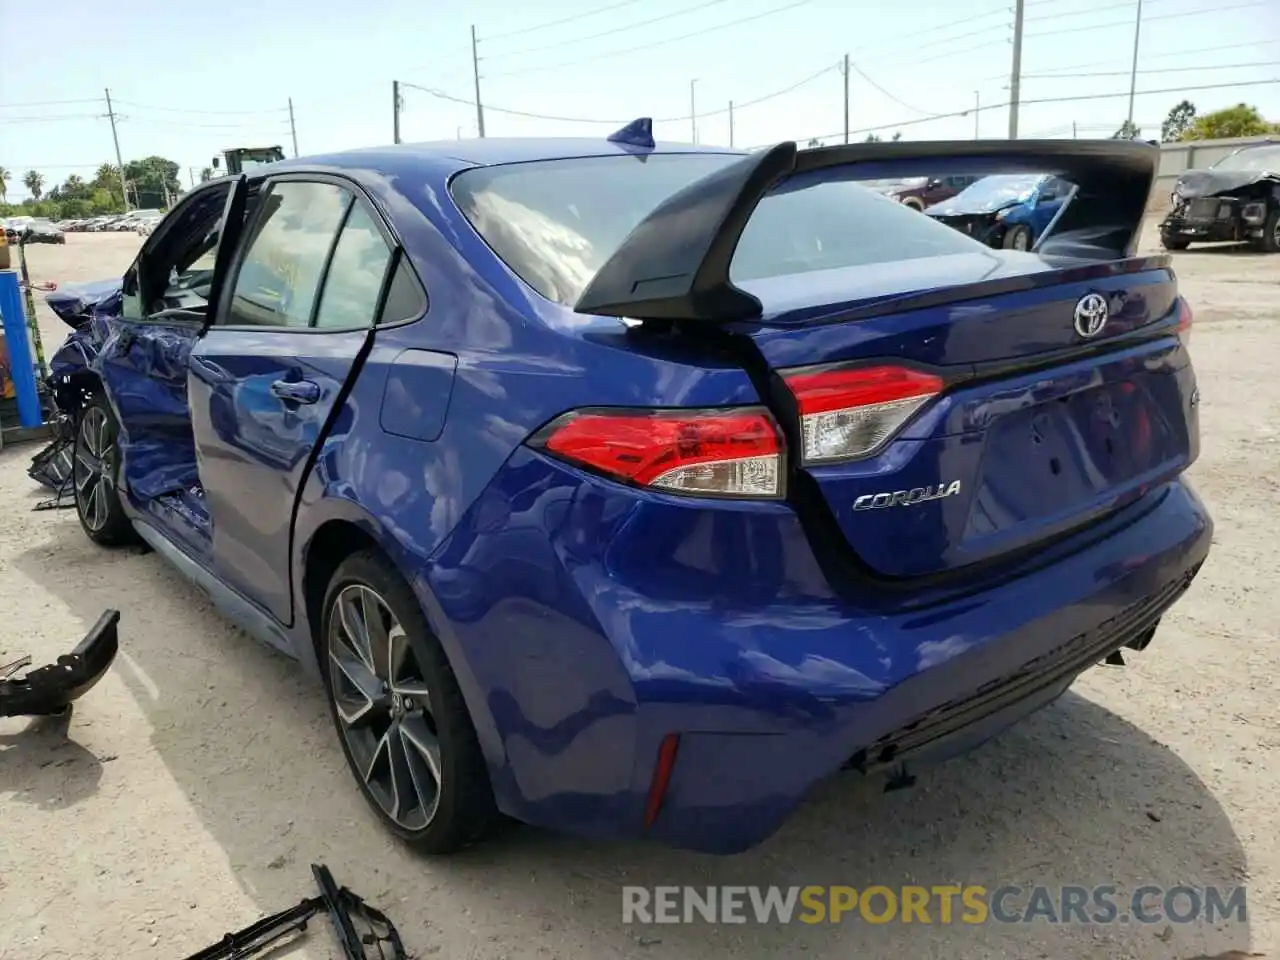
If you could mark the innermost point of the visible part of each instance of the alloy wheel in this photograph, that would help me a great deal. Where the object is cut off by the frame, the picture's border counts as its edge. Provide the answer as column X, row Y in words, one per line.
column 384, row 707
column 94, row 470
column 1021, row 240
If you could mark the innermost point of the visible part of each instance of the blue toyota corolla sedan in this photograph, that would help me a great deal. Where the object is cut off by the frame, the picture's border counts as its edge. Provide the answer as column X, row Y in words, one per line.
column 631, row 490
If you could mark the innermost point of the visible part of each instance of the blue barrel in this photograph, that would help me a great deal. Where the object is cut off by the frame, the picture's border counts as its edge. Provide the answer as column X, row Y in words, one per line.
column 21, row 364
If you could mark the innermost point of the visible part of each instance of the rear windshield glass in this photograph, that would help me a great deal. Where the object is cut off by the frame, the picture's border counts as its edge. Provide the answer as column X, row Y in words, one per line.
column 1261, row 159
column 556, row 222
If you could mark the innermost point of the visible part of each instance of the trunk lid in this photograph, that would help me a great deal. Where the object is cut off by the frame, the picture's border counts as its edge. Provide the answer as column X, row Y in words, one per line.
column 1036, row 428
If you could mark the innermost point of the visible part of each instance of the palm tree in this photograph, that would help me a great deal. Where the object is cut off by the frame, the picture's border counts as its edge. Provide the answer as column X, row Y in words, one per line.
column 206, row 174
column 33, row 180
column 4, row 185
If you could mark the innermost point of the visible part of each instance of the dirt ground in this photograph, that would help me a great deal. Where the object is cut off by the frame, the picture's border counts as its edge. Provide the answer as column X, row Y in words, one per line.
column 200, row 779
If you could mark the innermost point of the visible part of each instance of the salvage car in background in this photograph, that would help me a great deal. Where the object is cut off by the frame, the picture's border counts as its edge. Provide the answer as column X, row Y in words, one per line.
column 1005, row 210
column 631, row 490
column 1238, row 198
column 921, row 192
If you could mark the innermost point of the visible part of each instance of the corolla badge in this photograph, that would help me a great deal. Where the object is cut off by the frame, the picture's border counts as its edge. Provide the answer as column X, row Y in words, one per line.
column 1092, row 314
column 906, row 498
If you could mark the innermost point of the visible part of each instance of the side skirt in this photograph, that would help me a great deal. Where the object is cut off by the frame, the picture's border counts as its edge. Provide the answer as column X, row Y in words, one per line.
column 240, row 611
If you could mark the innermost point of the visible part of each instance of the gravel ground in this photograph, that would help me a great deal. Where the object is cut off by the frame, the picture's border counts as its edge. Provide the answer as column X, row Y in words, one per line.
column 200, row 779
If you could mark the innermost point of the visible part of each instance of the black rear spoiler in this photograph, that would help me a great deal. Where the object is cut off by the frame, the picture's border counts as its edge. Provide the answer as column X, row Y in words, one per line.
column 675, row 264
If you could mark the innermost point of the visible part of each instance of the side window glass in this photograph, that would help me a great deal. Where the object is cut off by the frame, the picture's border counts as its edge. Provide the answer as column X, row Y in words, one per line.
column 279, row 278
column 360, row 260
column 405, row 300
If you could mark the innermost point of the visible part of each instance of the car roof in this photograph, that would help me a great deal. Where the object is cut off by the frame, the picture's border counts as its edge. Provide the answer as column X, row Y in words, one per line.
column 484, row 152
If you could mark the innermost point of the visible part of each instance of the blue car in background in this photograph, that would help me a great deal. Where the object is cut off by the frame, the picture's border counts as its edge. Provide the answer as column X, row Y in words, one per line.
column 1005, row 210
column 632, row 490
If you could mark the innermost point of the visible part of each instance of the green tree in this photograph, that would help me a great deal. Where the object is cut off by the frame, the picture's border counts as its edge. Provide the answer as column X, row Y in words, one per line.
column 76, row 209
column 74, row 188
column 4, row 185
column 872, row 138
column 897, row 136
column 33, row 180
column 1177, row 122
column 206, row 173
column 1128, row 131
column 153, row 180
column 1242, row 120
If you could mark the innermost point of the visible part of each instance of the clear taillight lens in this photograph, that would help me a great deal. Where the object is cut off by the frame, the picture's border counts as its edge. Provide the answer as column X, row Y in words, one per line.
column 718, row 453
column 850, row 412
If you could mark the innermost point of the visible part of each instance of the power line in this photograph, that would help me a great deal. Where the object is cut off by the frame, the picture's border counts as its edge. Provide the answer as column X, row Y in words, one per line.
column 1041, row 100
column 211, row 113
column 45, row 103
column 562, row 21
column 738, row 105
column 1165, row 16
column 902, row 103
column 612, row 30
column 1125, row 73
column 61, row 116
column 656, row 43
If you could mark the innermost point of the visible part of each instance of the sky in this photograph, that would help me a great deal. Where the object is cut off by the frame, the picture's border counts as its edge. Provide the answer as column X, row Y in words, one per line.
column 188, row 80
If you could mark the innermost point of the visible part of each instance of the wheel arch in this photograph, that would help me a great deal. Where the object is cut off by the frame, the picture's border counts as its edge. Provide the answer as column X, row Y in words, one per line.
column 325, row 534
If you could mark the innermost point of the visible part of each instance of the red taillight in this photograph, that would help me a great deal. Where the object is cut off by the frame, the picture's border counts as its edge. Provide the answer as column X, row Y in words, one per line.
column 667, row 751
column 848, row 412
column 726, row 453
column 1184, row 321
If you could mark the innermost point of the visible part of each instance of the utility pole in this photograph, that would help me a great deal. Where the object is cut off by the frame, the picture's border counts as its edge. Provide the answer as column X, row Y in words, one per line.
column 977, row 113
column 475, row 69
column 191, row 175
column 693, row 111
column 293, row 128
column 1015, row 77
column 115, row 137
column 1075, row 135
column 846, row 98
column 1133, row 72
column 395, row 111
column 731, row 124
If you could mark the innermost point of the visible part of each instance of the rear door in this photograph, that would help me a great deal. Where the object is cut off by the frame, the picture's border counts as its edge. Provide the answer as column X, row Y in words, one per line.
column 269, row 374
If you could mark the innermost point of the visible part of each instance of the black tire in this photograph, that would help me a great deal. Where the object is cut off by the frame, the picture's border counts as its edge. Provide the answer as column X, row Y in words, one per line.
column 1174, row 243
column 1271, row 232
column 95, row 478
column 461, row 810
column 1017, row 237
column 914, row 203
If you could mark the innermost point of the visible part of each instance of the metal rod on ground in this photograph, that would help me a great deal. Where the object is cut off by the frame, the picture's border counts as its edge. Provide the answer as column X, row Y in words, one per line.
column 293, row 128
column 730, row 123
column 1015, row 76
column 395, row 111
column 1133, row 73
column 475, row 69
column 124, row 188
column 846, row 98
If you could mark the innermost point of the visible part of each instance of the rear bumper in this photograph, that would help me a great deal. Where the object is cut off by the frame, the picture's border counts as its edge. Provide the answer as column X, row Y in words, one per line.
column 596, row 621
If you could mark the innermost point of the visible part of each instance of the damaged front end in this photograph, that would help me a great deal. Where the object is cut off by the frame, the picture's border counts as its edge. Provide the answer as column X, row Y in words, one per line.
column 50, row 690
column 86, row 308
column 1224, row 205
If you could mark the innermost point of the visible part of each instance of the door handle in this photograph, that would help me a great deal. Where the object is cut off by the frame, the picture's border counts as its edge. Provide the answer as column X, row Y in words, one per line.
column 296, row 391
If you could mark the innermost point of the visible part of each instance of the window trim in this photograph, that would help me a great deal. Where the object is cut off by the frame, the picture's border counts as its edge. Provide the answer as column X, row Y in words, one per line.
column 163, row 237
column 356, row 194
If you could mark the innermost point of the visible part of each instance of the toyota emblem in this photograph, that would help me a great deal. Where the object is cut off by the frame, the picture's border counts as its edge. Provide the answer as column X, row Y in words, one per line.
column 1091, row 315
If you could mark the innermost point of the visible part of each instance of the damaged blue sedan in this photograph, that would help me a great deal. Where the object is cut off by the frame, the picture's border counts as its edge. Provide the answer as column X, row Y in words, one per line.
column 631, row 490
